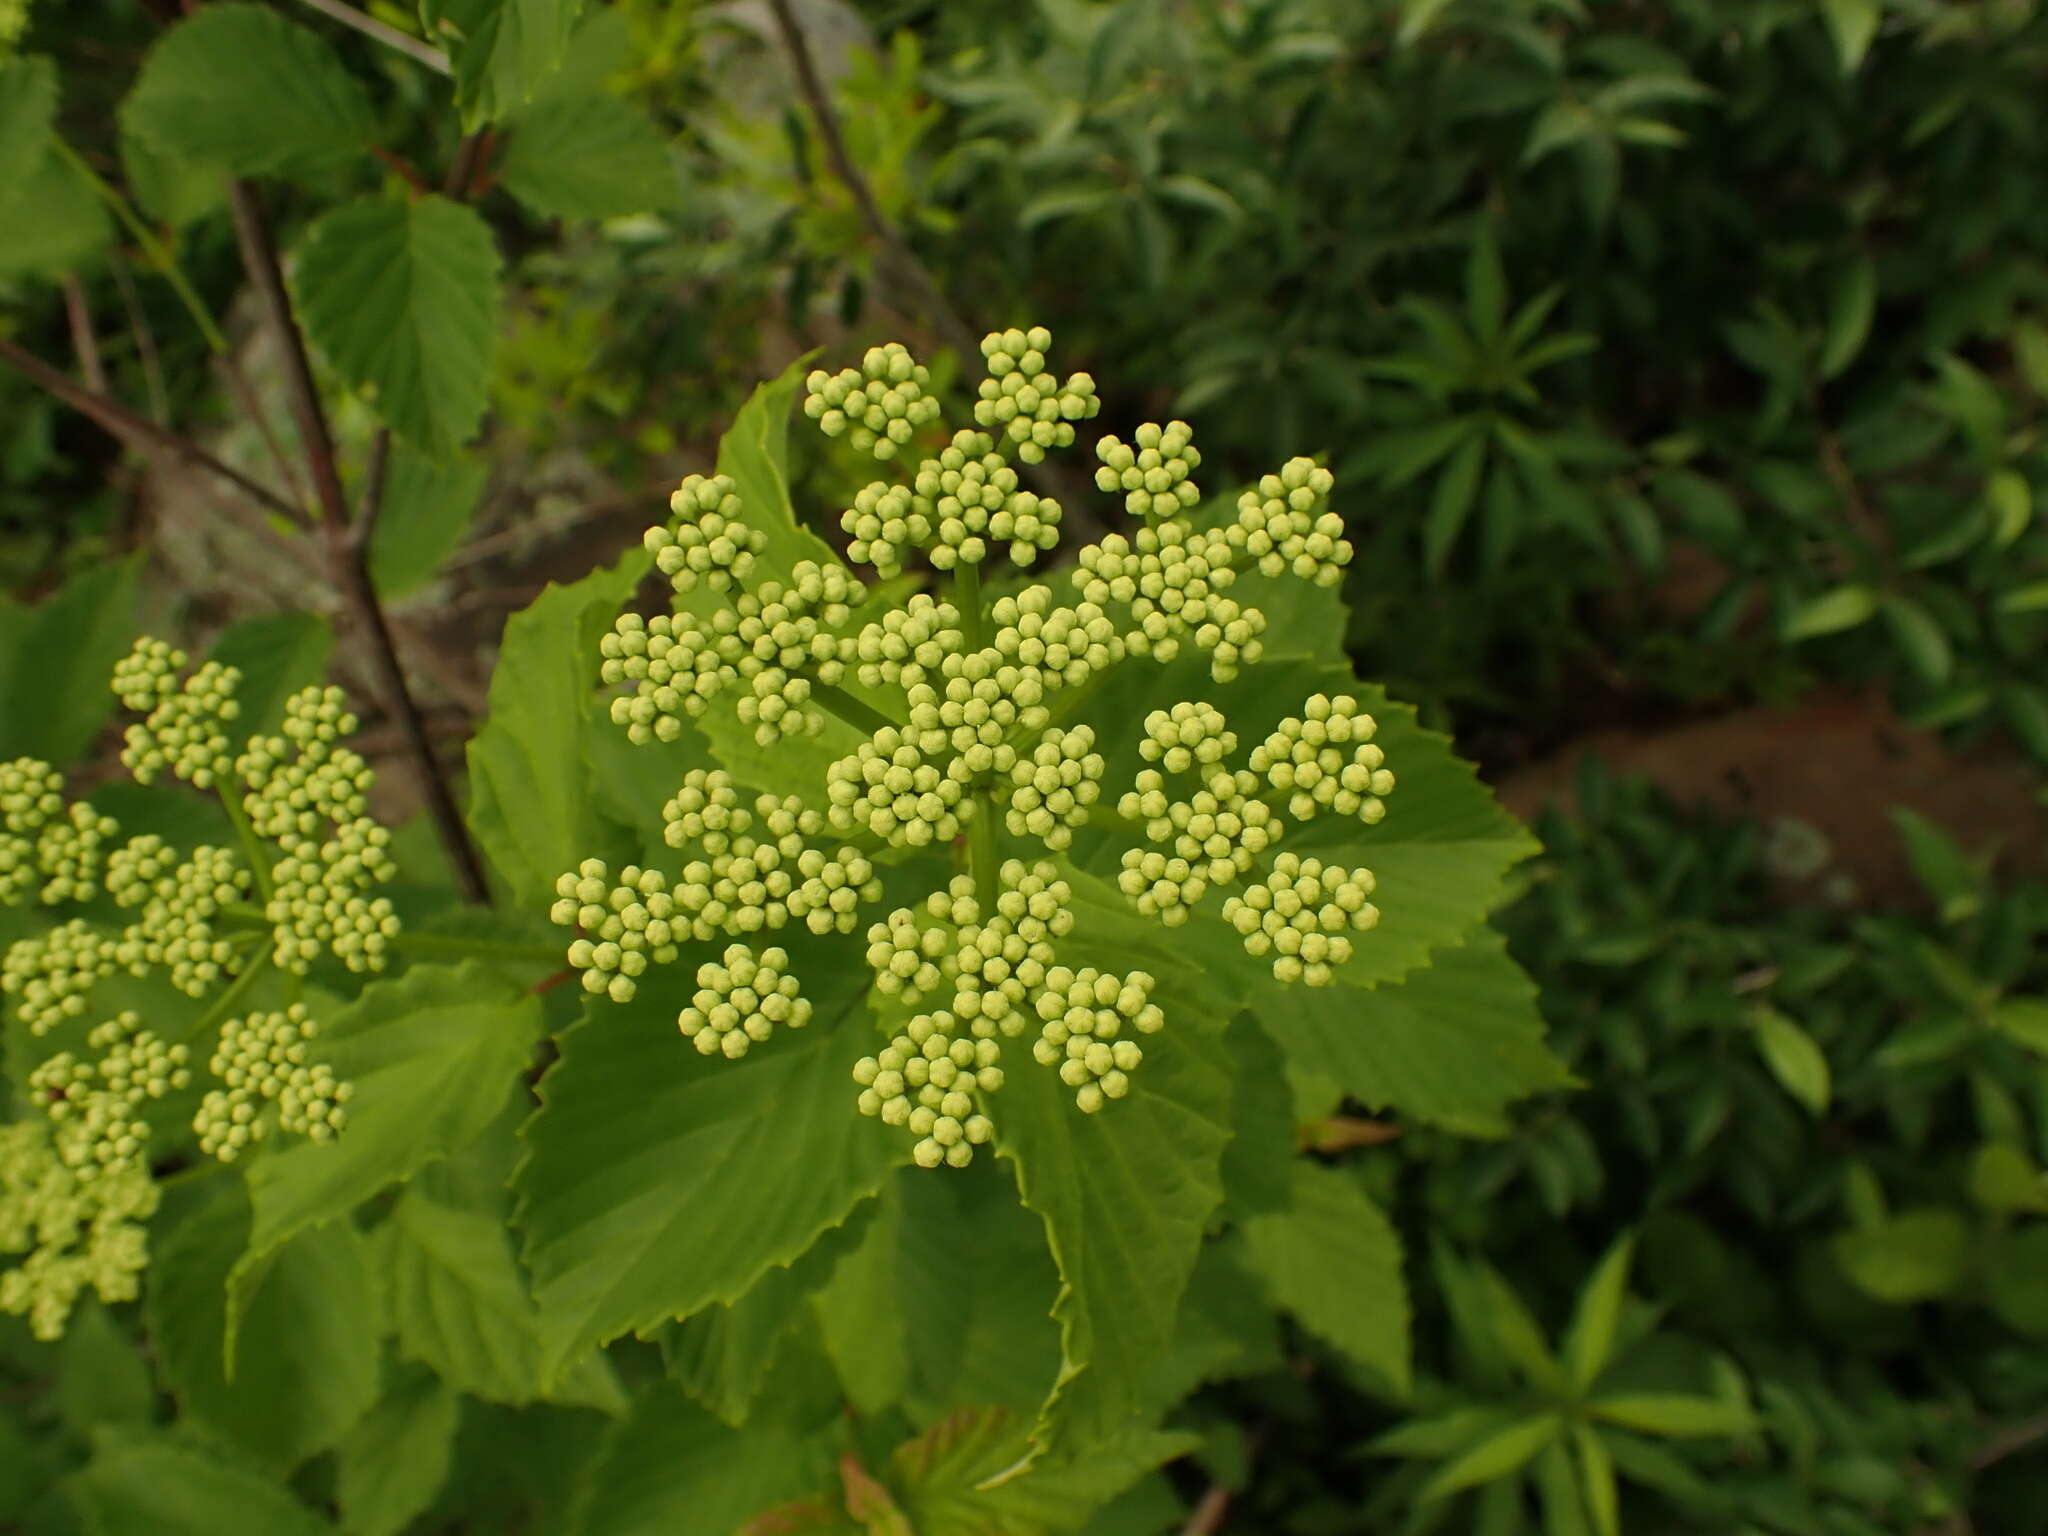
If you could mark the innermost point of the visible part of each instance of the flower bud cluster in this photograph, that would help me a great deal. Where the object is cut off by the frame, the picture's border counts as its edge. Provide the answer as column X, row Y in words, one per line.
column 47, row 849
column 1085, row 1013
column 97, row 1106
column 51, row 976
column 182, row 728
column 905, row 644
column 1323, row 759
column 1034, row 410
column 742, row 998
column 708, row 544
column 1216, row 834
column 1003, row 957
column 1172, row 578
column 1153, row 476
column 263, row 1059
column 878, row 406
column 80, row 1224
column 175, row 928
column 1279, row 526
column 889, row 786
column 764, row 639
column 969, row 498
column 1050, row 791
column 310, row 796
column 925, row 1080
column 1061, row 645
column 1300, row 914
column 758, row 873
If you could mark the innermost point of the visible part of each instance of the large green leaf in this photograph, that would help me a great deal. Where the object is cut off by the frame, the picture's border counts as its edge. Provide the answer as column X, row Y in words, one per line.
column 1125, row 1193
column 427, row 507
column 393, row 1463
column 659, row 1181
column 242, row 88
column 503, row 50
column 56, row 658
column 277, row 655
column 1454, row 1043
column 672, row 1467
column 588, row 157
column 528, row 804
column 1333, row 1259
column 432, row 1056
column 28, row 108
column 173, row 1487
column 305, row 1354
column 402, row 297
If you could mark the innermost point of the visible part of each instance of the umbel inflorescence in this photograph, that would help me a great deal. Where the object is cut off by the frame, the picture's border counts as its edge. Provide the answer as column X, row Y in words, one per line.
column 970, row 700
column 298, row 881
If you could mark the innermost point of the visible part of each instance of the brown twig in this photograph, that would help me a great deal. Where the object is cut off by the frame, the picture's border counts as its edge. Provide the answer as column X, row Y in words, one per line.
column 346, row 537
column 83, row 342
column 139, row 431
column 2012, row 1441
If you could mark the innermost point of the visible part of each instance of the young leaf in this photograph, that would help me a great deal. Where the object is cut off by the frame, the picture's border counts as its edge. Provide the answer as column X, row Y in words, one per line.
column 1850, row 308
column 1853, row 24
column 587, row 157
column 1515, row 1331
column 1589, row 1342
column 1830, row 613
column 243, row 88
column 403, row 300
column 1944, row 871
column 2012, row 506
column 1920, row 637
column 1673, row 1415
column 1333, row 1259
column 175, row 1487
column 1486, row 295
column 51, row 221
column 1795, row 1061
column 2024, row 1019
column 1913, row 1256
column 659, row 1181
column 1499, row 1454
column 503, row 51
column 1557, row 1487
column 393, row 1463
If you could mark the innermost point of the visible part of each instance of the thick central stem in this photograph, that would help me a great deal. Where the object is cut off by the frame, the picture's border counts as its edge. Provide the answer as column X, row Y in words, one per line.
column 981, row 827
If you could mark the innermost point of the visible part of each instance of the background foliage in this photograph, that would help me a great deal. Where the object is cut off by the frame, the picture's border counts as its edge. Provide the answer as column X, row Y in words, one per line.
column 1678, row 362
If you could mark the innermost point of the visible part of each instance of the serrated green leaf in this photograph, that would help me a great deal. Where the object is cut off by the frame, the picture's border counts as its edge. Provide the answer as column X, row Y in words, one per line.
column 56, row 657
column 432, row 1056
column 1333, row 1259
column 1851, row 305
column 243, row 88
column 672, row 1467
column 528, row 762
column 1589, row 1343
column 305, row 1353
column 393, row 1463
column 1499, row 1454
column 1837, row 609
column 503, row 51
column 659, row 1181
column 1672, row 1414
column 402, row 298
column 51, row 221
column 1912, row 1256
column 174, row 1487
column 1852, row 24
column 587, row 157
column 939, row 1475
column 1125, row 1194
column 428, row 504
column 1453, row 1044
column 1795, row 1061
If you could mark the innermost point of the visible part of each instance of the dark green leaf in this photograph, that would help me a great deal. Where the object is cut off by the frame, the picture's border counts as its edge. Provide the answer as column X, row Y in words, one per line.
column 1673, row 1415
column 277, row 655
column 1456, row 489
column 504, row 51
column 587, row 157
column 393, row 1463
column 28, row 108
column 1795, row 1061
column 1837, row 609
column 1589, row 1342
column 402, row 297
column 1850, row 307
column 55, row 661
column 171, row 1487
column 427, row 507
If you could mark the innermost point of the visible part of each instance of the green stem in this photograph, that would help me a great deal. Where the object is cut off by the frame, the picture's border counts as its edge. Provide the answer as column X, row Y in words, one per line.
column 861, row 716
column 225, row 1003
column 252, row 848
column 967, row 598
column 159, row 255
column 481, row 949
column 981, row 852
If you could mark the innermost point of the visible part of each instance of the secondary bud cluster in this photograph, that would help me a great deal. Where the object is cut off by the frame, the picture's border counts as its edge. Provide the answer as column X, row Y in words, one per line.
column 1051, row 790
column 1153, row 476
column 878, row 406
column 925, row 1081
column 182, row 729
column 740, row 1001
column 708, row 544
column 1284, row 525
column 50, row 977
column 79, row 1224
column 48, row 850
column 1034, row 410
column 264, row 1059
column 1172, row 578
column 1085, row 1013
column 1323, row 759
column 1299, row 914
column 176, row 925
